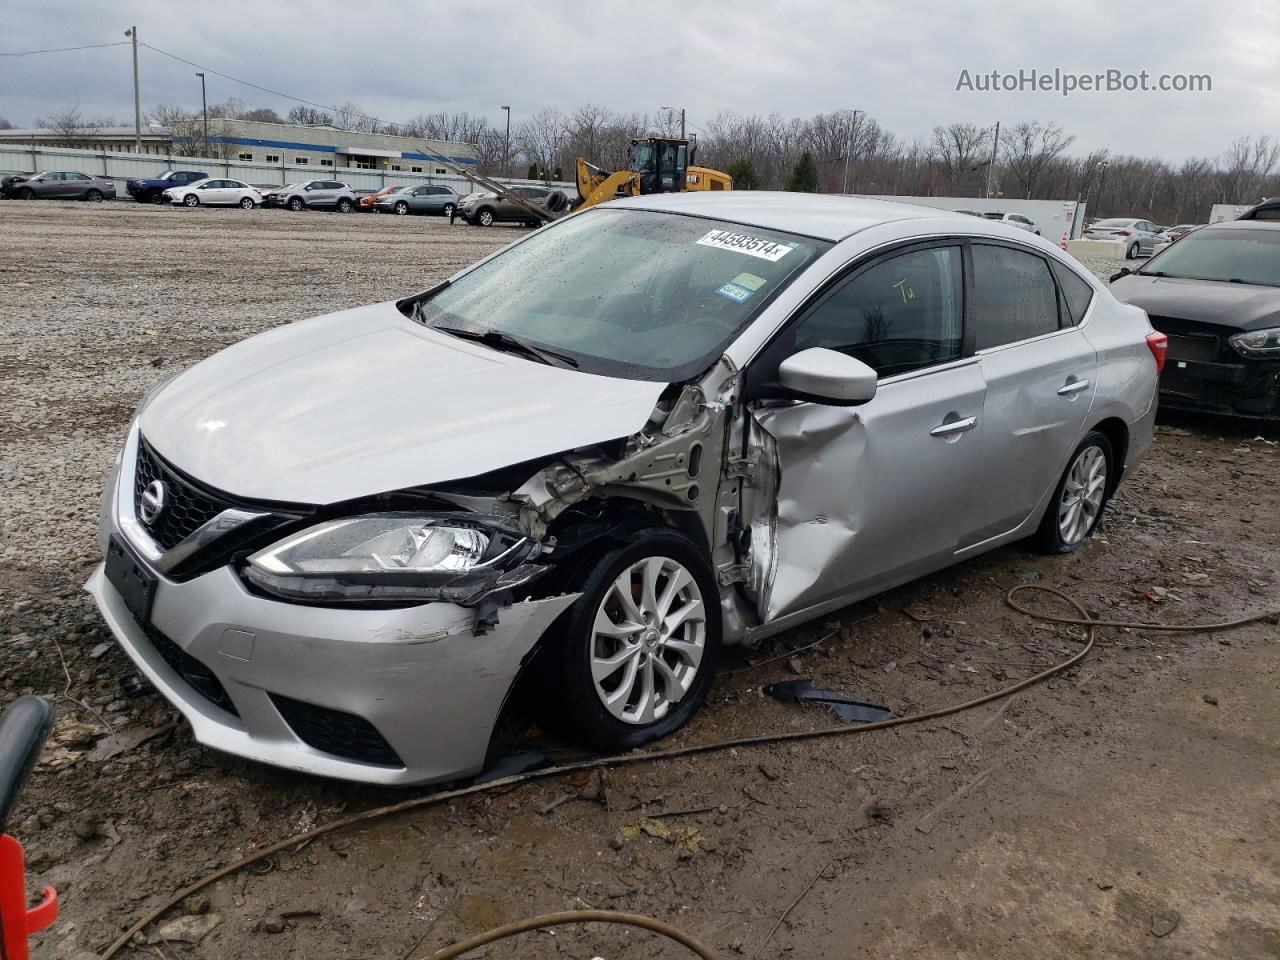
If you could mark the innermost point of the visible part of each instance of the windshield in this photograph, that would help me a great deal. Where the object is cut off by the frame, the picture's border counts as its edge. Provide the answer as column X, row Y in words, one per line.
column 642, row 157
column 627, row 293
column 1243, row 256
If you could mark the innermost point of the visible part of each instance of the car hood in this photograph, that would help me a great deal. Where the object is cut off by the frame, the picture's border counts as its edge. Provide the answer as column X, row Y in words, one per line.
column 366, row 401
column 1239, row 305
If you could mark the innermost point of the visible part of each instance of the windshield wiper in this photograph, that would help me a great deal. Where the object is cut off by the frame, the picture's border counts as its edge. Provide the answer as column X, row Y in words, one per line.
column 504, row 342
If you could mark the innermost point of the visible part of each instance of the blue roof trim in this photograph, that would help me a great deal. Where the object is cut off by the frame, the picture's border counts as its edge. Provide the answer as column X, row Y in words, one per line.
column 321, row 148
column 437, row 157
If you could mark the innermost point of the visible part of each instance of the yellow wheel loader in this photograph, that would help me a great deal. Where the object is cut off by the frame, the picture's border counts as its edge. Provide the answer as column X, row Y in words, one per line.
column 658, row 165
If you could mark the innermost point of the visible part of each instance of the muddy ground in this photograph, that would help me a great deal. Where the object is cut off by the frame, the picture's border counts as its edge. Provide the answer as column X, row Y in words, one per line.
column 1130, row 808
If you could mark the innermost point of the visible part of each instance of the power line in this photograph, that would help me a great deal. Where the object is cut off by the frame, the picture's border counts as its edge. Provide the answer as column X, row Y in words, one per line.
column 90, row 46
column 274, row 93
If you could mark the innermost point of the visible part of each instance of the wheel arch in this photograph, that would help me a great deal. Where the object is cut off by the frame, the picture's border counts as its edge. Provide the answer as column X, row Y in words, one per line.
column 1117, row 433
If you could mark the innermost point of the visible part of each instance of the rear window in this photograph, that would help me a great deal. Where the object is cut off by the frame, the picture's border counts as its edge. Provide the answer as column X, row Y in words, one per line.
column 1014, row 296
column 1077, row 292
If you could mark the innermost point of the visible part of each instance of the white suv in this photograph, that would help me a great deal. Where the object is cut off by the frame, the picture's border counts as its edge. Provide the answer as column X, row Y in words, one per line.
column 1014, row 220
column 321, row 194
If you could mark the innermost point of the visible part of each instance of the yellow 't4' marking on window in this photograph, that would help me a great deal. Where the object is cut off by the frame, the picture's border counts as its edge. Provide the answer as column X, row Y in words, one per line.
column 902, row 288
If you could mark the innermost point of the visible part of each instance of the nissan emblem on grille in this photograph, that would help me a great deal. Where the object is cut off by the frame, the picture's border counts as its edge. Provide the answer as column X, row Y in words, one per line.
column 152, row 502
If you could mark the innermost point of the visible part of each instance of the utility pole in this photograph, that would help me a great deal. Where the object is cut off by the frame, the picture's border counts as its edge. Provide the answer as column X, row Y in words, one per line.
column 673, row 110
column 506, row 149
column 204, row 103
column 132, row 32
column 991, row 166
column 848, row 149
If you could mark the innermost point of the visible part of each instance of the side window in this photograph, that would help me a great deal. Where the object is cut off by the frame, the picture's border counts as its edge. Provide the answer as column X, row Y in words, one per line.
column 897, row 315
column 1014, row 297
column 1078, row 294
column 74, row 176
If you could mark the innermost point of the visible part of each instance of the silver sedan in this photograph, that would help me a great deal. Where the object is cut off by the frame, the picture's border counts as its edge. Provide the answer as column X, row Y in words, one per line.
column 705, row 418
column 1138, row 236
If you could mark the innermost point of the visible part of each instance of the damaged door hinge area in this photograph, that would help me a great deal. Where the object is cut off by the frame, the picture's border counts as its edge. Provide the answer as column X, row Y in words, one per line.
column 740, row 468
column 676, row 472
column 731, row 573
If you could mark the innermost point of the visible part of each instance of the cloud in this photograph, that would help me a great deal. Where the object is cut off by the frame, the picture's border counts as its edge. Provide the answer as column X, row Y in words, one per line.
column 900, row 63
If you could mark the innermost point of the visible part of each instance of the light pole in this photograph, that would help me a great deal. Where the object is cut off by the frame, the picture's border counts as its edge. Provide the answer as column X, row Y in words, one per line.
column 506, row 149
column 991, row 164
column 848, row 149
column 204, row 103
column 673, row 110
column 132, row 33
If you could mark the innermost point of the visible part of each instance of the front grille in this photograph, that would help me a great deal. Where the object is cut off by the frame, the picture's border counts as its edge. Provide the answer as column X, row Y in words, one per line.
column 196, row 674
column 332, row 731
column 188, row 506
column 1198, row 342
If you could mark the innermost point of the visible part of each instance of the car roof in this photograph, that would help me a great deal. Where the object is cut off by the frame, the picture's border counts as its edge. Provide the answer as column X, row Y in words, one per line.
column 825, row 217
column 1243, row 225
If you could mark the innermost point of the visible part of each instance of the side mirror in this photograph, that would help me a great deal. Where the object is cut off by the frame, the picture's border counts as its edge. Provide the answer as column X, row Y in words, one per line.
column 827, row 377
column 1124, row 272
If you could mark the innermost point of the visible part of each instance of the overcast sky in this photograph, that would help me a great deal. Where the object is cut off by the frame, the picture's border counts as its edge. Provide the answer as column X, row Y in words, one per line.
column 900, row 62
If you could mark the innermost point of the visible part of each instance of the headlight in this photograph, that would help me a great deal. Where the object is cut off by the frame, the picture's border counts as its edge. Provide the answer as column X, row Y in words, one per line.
column 1258, row 343
column 394, row 557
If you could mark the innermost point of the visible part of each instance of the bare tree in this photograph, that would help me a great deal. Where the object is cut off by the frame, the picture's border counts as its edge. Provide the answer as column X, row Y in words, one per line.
column 186, row 132
column 960, row 149
column 5, row 124
column 1245, row 167
column 538, row 140
column 1029, row 150
column 262, row 115
column 310, row 117
column 72, row 128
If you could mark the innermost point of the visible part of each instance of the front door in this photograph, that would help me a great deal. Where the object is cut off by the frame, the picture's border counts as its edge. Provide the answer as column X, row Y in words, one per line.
column 873, row 495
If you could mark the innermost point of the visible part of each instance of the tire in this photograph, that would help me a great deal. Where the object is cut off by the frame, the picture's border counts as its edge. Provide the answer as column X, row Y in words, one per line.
column 93, row 196
column 1093, row 464
column 191, row 200
column 156, row 197
column 447, row 210
column 26, row 193
column 1132, row 252
column 246, row 203
column 295, row 204
column 643, row 707
column 483, row 217
column 343, row 205
column 401, row 208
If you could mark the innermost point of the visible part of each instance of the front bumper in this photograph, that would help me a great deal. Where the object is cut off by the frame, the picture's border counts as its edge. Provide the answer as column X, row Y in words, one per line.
column 1243, row 388
column 386, row 696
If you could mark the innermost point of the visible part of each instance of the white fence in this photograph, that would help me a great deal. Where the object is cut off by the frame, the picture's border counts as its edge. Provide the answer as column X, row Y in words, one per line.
column 1052, row 218
column 16, row 158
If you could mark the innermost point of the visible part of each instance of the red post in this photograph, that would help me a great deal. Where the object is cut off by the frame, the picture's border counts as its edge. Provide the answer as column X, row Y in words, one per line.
column 17, row 922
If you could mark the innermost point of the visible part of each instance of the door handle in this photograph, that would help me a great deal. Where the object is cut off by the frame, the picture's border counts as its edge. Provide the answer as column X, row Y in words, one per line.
column 949, row 427
column 1072, row 387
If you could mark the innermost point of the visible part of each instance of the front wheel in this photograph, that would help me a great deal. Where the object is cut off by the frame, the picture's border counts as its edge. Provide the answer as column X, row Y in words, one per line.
column 344, row 205
column 485, row 218
column 295, row 204
column 1132, row 252
column 156, row 196
column 191, row 200
column 26, row 193
column 634, row 657
column 94, row 196
column 402, row 208
column 1078, row 500
column 246, row 203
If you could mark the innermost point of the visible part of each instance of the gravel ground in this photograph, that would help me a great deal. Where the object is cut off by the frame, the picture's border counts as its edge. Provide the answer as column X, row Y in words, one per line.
column 1082, row 818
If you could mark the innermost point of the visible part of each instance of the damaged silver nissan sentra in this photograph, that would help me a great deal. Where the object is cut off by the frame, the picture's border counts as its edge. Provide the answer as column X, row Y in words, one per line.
column 655, row 427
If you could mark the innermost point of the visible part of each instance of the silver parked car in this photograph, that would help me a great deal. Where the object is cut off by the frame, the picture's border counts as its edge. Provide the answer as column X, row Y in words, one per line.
column 1013, row 220
column 61, row 185
column 313, row 194
column 652, row 428
column 1139, row 236
column 418, row 199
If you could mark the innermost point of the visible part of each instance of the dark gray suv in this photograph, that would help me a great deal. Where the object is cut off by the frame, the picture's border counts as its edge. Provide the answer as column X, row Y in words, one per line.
column 318, row 194
column 489, row 208
column 420, row 199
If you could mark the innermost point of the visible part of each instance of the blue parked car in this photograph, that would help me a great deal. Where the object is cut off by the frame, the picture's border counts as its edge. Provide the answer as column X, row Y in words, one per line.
column 152, row 191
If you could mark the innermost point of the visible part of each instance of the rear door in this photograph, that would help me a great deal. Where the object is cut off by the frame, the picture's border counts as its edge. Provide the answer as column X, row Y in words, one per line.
column 872, row 495
column 1039, row 371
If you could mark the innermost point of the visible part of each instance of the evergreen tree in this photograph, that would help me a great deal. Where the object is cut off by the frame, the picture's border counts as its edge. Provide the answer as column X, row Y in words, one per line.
column 804, row 176
column 744, row 175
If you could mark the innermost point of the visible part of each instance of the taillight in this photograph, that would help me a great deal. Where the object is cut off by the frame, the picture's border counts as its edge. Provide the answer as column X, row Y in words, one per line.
column 1158, row 344
column 1121, row 233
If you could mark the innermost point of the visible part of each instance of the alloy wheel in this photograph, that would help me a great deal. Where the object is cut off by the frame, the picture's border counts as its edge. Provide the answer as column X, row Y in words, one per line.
column 648, row 640
column 1083, row 495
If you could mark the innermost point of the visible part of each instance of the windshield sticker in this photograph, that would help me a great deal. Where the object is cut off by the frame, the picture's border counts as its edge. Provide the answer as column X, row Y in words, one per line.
column 735, row 293
column 761, row 247
column 749, row 280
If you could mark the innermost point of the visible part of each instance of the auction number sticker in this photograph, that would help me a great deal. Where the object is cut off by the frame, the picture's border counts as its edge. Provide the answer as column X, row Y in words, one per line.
column 761, row 247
